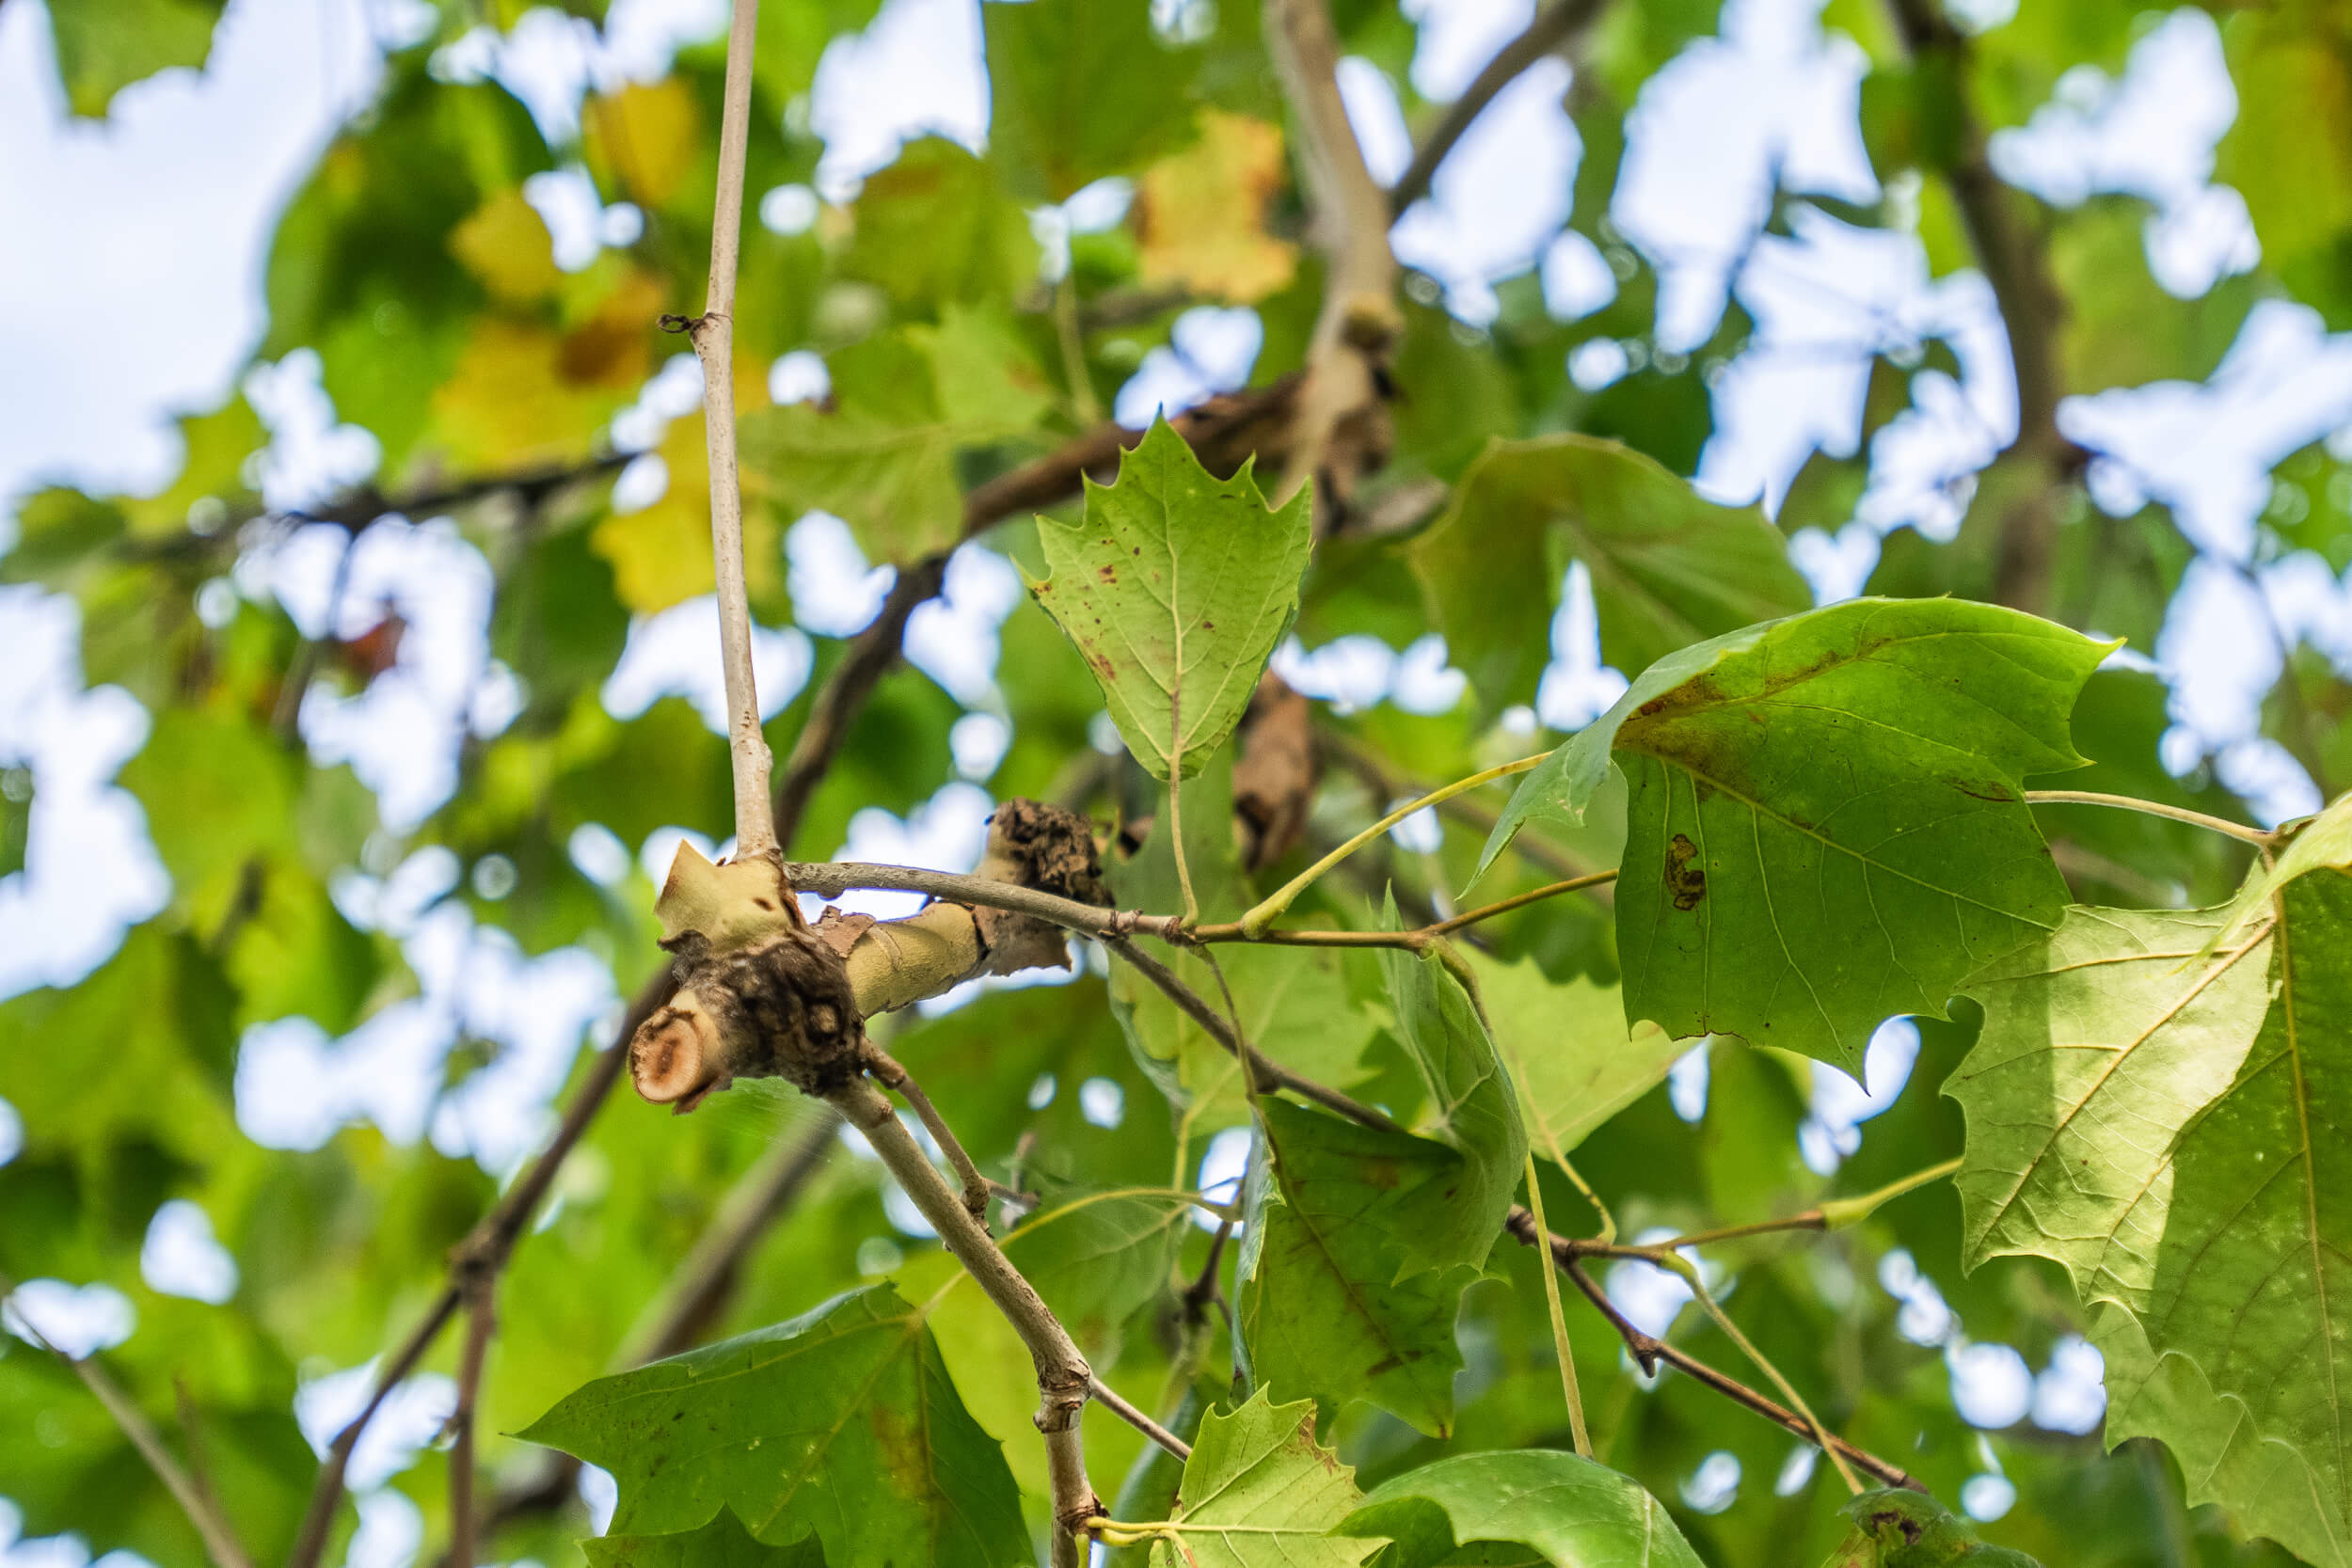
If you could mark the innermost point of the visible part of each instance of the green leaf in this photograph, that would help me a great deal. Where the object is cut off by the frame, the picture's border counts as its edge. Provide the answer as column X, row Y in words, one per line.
column 220, row 790
column 1099, row 1258
column 1668, row 567
column 2201, row 1185
column 1573, row 1060
column 16, row 817
column 1339, row 1299
column 1909, row 1529
column 722, row 1543
column 1080, row 89
column 841, row 1423
column 882, row 453
column 2265, row 1484
column 1259, row 1492
column 1826, row 825
column 106, row 46
column 933, row 229
column 2114, row 1022
column 1175, row 586
column 1573, row 1512
column 1472, row 1107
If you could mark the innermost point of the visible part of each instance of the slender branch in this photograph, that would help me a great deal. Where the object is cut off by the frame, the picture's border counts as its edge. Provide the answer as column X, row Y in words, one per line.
column 832, row 878
column 887, row 1070
column 1816, row 1430
column 481, row 1322
column 1650, row 1352
column 195, row 1500
column 1526, row 844
column 2149, row 808
column 1253, row 925
column 1266, row 1073
column 713, row 336
column 1113, row 1400
column 1063, row 1377
column 2033, row 311
column 481, row 1254
column 1417, row 940
column 1552, row 28
column 1205, row 1288
column 1342, row 418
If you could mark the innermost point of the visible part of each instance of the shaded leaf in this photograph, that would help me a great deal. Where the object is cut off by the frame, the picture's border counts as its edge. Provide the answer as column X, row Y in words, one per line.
column 841, row 1423
column 1080, row 89
column 722, row 1543
column 1176, row 586
column 1826, row 825
column 1099, row 1258
column 1669, row 568
column 1907, row 1530
column 1572, row 1058
column 1338, row 1301
column 1571, row 1512
column 933, row 229
column 106, row 46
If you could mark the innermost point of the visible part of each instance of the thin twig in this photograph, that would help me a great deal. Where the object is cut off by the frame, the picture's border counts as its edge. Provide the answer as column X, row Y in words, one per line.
column 887, row 1070
column 1253, row 924
column 713, row 336
column 1267, row 1072
column 2149, row 808
column 1117, row 1403
column 1553, row 26
column 1419, row 939
column 1650, row 1352
column 1203, row 1288
column 1526, row 844
column 481, row 1322
column 1817, row 1429
column 481, row 1254
column 1578, row 1436
column 832, row 878
column 195, row 1500
column 1064, row 1379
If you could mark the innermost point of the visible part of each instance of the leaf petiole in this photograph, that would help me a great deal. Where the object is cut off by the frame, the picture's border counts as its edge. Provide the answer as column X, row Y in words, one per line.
column 1253, row 925
column 2256, row 836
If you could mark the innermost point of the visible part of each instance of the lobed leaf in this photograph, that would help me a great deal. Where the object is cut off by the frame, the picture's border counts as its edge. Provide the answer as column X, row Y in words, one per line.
column 1259, row 1492
column 1826, row 824
column 1175, row 586
column 1569, row 1511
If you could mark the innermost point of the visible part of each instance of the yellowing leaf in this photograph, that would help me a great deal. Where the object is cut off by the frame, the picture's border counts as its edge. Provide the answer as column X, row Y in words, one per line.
column 1202, row 213
column 510, row 405
column 645, row 139
column 505, row 244
column 660, row 555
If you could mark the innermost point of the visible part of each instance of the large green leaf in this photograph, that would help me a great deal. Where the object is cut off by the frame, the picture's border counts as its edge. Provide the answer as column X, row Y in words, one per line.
column 106, row 46
column 1471, row 1107
column 933, row 228
column 2179, row 1154
column 1569, row 1511
column 1826, row 823
column 1668, row 567
column 2265, row 1484
column 1259, row 1492
column 841, row 1423
column 1176, row 585
column 1572, row 1057
column 1339, row 1299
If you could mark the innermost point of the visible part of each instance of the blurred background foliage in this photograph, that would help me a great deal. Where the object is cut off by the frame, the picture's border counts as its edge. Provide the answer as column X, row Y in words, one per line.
column 417, row 726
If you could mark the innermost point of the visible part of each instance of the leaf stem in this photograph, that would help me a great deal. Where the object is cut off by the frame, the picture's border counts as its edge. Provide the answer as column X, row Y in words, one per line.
column 1690, row 1274
column 1835, row 1215
column 1577, row 1434
column 2150, row 808
column 1417, row 940
column 1253, row 925
column 713, row 337
column 220, row 1541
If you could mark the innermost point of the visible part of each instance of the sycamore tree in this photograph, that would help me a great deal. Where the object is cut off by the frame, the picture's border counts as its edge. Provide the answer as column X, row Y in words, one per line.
column 1266, row 1154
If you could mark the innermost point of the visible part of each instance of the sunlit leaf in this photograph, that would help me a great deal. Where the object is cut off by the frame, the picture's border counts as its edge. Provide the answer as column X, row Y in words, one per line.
column 1260, row 1491
column 1567, row 1511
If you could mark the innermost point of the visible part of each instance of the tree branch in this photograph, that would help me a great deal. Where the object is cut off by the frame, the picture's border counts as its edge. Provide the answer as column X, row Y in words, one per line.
column 885, row 1070
column 713, row 336
column 1063, row 1377
column 1267, row 1072
column 481, row 1322
column 195, row 1500
column 1551, row 31
column 1342, row 426
column 480, row 1255
column 1117, row 1403
column 832, row 878
column 2033, row 311
column 1649, row 1352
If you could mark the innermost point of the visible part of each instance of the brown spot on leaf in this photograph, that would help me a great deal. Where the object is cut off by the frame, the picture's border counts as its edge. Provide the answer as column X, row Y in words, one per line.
column 1685, row 882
